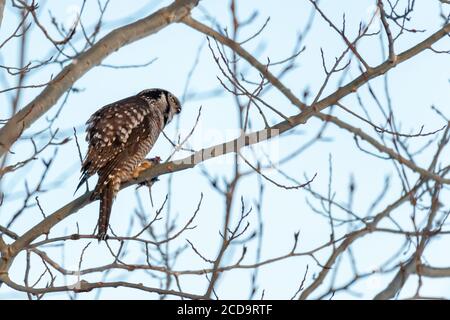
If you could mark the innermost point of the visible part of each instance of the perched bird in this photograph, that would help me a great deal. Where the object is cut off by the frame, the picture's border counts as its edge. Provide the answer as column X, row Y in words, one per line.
column 120, row 135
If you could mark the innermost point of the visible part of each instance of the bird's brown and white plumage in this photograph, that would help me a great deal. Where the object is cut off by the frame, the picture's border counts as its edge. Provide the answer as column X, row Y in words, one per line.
column 120, row 135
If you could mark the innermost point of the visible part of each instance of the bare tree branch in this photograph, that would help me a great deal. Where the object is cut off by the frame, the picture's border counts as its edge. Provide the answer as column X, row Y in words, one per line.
column 113, row 41
column 2, row 9
column 159, row 241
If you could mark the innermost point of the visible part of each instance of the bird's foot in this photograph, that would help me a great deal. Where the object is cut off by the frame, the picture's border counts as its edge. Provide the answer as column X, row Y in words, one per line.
column 146, row 164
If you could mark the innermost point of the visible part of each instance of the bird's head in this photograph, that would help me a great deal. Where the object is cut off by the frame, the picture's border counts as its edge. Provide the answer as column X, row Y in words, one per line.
column 165, row 100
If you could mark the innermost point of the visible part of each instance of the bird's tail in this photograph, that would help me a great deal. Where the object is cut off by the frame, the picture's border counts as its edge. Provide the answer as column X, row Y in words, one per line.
column 106, row 200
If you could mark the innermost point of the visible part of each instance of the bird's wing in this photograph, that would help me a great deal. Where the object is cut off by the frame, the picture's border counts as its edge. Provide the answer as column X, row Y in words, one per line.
column 109, row 129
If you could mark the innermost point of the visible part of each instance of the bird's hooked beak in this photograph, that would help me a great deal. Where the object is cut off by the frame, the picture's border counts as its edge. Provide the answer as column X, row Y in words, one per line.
column 178, row 110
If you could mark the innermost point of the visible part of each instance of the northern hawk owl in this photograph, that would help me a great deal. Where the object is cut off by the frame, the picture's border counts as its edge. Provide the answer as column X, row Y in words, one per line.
column 120, row 135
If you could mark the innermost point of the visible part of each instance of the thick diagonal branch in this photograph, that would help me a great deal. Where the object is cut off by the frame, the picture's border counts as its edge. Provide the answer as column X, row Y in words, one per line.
column 2, row 9
column 112, row 42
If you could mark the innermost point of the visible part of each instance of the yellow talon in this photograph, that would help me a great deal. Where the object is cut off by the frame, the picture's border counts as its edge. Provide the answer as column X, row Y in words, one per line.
column 144, row 165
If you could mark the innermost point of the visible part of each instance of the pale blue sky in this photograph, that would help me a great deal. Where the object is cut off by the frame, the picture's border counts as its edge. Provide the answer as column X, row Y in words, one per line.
column 415, row 86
